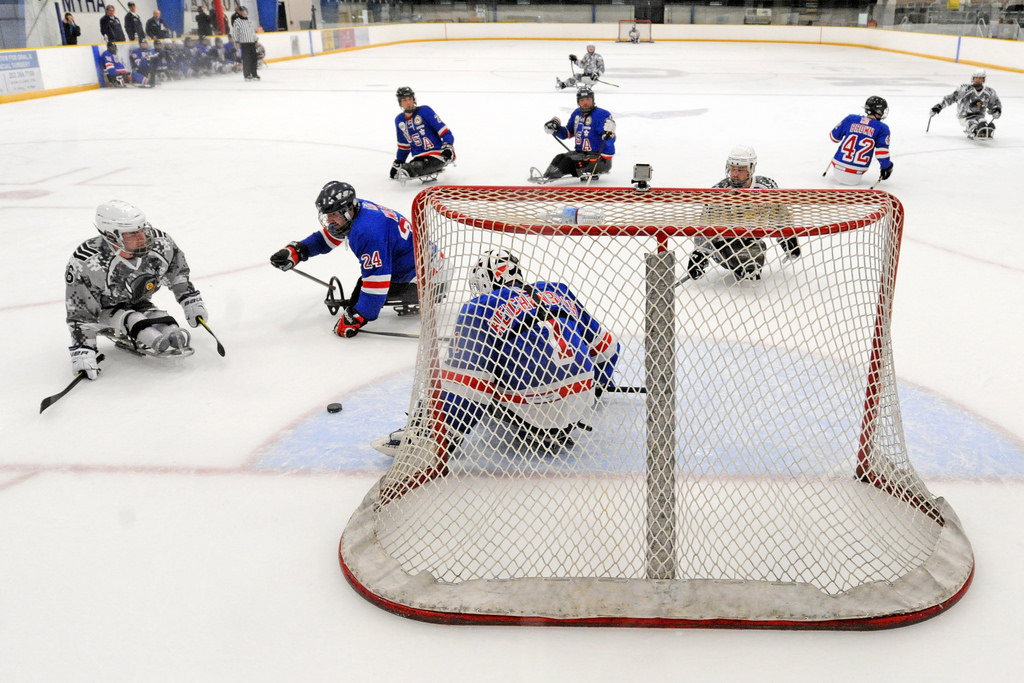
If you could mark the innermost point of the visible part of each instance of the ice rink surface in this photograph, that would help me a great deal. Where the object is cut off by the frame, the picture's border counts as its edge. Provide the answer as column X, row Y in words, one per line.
column 180, row 520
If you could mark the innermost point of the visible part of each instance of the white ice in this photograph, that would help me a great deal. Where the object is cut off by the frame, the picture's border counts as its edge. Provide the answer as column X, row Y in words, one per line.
column 175, row 521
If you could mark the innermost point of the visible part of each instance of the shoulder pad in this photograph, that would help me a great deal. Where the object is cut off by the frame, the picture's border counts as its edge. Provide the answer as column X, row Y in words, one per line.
column 84, row 252
column 159, row 233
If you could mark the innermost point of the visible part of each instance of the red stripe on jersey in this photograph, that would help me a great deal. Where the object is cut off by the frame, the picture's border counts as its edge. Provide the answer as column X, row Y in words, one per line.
column 377, row 287
column 331, row 239
column 602, row 346
column 468, row 381
column 563, row 391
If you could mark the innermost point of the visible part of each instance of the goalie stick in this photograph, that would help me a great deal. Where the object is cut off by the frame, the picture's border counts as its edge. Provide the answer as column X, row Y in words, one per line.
column 50, row 400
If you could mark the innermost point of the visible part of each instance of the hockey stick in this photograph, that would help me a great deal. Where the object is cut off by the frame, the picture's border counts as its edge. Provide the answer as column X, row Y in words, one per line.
column 220, row 347
column 333, row 303
column 593, row 171
column 825, row 172
column 626, row 390
column 928, row 127
column 50, row 400
column 681, row 280
column 403, row 335
column 598, row 80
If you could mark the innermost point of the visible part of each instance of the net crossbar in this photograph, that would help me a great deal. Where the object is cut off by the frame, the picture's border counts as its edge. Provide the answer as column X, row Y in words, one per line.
column 744, row 467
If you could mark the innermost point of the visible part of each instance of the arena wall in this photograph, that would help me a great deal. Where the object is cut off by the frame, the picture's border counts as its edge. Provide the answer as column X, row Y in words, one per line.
column 43, row 72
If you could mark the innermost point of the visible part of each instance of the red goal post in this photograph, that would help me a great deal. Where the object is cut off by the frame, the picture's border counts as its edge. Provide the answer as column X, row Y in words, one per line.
column 751, row 471
column 643, row 31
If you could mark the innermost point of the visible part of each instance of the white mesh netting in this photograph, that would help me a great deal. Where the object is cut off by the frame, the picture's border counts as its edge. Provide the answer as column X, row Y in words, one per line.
column 622, row 438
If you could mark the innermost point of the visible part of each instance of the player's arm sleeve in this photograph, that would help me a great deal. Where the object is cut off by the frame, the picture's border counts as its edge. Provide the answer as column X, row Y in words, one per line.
column 441, row 129
column 467, row 373
column 600, row 65
column 882, row 149
column 994, row 104
column 375, row 267
column 602, row 347
column 838, row 132
column 321, row 242
column 403, row 145
column 82, row 304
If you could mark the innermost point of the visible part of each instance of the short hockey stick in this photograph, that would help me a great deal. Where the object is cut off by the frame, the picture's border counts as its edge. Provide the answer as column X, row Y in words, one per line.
column 825, row 172
column 333, row 303
column 597, row 161
column 220, row 347
column 928, row 127
column 685, row 278
column 598, row 80
column 50, row 400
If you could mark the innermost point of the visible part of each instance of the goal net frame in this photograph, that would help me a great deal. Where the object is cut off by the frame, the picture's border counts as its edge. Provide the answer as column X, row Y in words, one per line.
column 643, row 26
column 708, row 527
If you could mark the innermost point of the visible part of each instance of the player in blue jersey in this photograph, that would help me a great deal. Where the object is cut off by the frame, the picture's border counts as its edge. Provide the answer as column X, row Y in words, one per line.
column 530, row 354
column 973, row 100
column 114, row 70
column 593, row 131
column 423, row 138
column 142, row 62
column 382, row 241
column 862, row 138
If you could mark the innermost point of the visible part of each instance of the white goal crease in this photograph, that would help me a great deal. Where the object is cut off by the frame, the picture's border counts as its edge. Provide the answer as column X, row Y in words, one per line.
column 756, row 476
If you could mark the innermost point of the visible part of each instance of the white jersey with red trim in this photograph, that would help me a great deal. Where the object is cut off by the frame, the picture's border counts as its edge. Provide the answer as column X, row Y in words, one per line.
column 534, row 351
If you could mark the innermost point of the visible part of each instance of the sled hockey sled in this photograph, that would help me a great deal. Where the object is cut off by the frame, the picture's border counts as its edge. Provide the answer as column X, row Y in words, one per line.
column 537, row 177
column 135, row 348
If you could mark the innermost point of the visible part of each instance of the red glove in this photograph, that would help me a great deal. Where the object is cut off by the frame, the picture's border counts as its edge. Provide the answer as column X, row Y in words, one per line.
column 349, row 323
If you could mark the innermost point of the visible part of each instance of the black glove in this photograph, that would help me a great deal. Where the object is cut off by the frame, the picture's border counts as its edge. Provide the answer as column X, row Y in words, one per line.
column 607, row 135
column 572, row 58
column 937, row 108
column 997, row 112
column 447, row 153
column 885, row 172
column 395, row 165
column 349, row 323
column 290, row 256
column 552, row 126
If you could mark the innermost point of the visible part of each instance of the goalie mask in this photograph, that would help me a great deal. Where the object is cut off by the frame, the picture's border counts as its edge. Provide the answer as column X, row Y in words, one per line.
column 877, row 107
column 339, row 199
column 124, row 227
column 495, row 269
column 741, row 158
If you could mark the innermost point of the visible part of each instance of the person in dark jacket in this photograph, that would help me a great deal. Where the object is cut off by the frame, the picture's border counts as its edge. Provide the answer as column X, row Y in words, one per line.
column 133, row 24
column 110, row 27
column 71, row 30
column 204, row 23
column 156, row 28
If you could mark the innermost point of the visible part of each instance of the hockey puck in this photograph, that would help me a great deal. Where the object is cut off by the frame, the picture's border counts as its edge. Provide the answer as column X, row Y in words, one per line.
column 333, row 407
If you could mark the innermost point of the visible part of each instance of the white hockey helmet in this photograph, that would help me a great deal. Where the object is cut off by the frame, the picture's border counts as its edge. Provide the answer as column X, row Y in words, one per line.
column 979, row 73
column 116, row 218
column 742, row 156
column 495, row 269
column 591, row 48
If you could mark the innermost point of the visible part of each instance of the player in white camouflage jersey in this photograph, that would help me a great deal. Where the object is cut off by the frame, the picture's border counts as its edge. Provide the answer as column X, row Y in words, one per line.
column 110, row 280
column 743, row 256
column 973, row 101
column 591, row 68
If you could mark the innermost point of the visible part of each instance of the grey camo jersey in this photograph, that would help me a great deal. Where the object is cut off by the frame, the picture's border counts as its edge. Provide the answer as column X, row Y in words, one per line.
column 971, row 103
column 99, row 279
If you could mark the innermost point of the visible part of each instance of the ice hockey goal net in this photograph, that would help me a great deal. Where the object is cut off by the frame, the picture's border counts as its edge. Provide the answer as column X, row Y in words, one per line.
column 749, row 468
column 643, row 31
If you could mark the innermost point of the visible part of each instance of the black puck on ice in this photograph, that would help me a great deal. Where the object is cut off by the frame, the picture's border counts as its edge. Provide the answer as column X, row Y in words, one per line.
column 333, row 407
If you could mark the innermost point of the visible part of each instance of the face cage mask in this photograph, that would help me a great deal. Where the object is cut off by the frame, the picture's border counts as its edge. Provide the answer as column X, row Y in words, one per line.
column 117, row 240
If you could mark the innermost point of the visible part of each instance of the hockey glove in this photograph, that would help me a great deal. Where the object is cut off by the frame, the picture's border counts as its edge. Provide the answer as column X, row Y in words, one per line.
column 83, row 359
column 395, row 165
column 552, row 126
column 447, row 153
column 885, row 173
column 193, row 306
column 572, row 58
column 609, row 129
column 349, row 324
column 290, row 256
column 996, row 113
column 937, row 108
